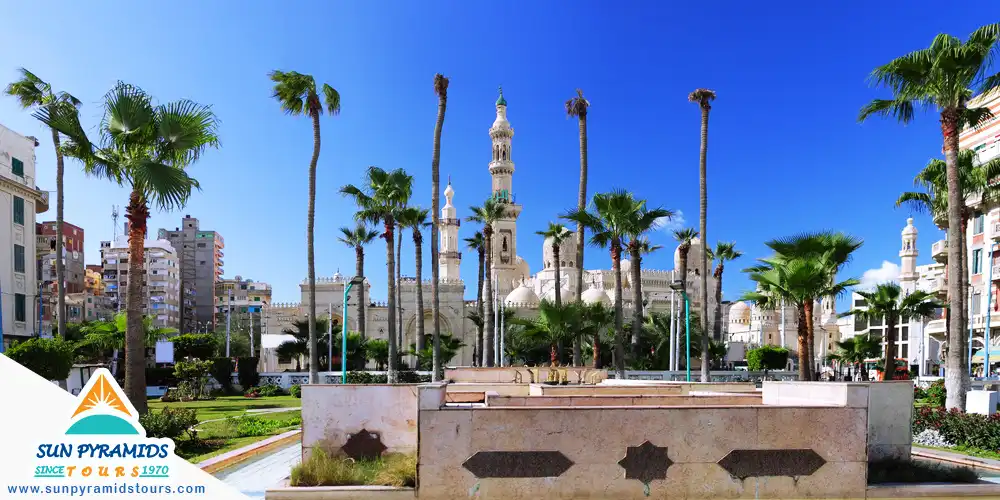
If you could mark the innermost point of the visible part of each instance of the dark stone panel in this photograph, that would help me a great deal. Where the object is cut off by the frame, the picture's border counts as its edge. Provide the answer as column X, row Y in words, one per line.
column 364, row 445
column 761, row 463
column 645, row 462
column 517, row 464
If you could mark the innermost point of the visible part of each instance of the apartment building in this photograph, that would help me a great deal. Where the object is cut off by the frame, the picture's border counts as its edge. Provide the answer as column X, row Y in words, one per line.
column 73, row 265
column 245, row 301
column 92, row 281
column 20, row 200
column 161, row 279
column 200, row 256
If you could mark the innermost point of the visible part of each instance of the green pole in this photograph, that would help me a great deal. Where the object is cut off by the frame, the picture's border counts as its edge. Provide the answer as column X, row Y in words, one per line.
column 343, row 338
column 687, row 333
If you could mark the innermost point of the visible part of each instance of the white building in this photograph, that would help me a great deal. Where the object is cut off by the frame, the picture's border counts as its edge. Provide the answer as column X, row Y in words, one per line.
column 517, row 287
column 161, row 279
column 20, row 201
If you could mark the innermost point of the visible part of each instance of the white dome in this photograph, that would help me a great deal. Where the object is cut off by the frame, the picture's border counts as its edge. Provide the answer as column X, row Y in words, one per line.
column 522, row 296
column 910, row 229
column 626, row 266
column 567, row 252
column 595, row 295
column 448, row 191
column 337, row 276
column 739, row 312
column 694, row 256
column 564, row 294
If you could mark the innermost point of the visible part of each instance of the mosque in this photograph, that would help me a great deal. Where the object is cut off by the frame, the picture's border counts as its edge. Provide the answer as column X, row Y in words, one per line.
column 516, row 286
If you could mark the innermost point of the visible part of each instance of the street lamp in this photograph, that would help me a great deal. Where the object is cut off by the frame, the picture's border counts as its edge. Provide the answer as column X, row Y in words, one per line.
column 678, row 285
column 343, row 339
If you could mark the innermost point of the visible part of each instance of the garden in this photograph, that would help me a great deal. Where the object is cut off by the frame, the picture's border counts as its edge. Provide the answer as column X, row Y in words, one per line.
column 953, row 430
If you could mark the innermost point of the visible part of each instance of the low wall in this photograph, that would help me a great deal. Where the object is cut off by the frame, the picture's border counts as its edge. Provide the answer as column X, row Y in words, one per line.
column 620, row 400
column 707, row 452
column 524, row 375
column 640, row 389
column 502, row 389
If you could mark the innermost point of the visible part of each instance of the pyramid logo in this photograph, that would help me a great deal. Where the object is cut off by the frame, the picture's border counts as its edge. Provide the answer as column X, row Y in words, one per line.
column 104, row 409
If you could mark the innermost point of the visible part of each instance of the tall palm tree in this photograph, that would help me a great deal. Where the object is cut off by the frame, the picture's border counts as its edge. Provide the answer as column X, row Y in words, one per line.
column 610, row 223
column 944, row 76
column 724, row 252
column 357, row 238
column 554, row 325
column 477, row 244
column 380, row 199
column 297, row 95
column 704, row 98
column 640, row 223
column 488, row 214
column 111, row 335
column 557, row 233
column 441, row 89
column 598, row 318
column 685, row 237
column 887, row 302
column 578, row 106
column 145, row 148
column 415, row 218
column 33, row 92
column 399, row 280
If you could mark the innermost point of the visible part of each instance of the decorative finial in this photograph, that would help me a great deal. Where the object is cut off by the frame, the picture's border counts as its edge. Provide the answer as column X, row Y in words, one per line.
column 501, row 101
column 449, row 179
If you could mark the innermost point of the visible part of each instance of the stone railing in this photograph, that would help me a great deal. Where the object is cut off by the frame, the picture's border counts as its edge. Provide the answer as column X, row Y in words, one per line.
column 284, row 305
column 716, row 375
column 287, row 379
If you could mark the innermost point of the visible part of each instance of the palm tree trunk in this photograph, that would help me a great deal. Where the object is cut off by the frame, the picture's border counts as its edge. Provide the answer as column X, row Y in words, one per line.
column 717, row 334
column 681, row 324
column 956, row 372
column 553, row 354
column 703, row 189
column 60, row 266
column 418, row 251
column 311, row 253
column 137, row 214
column 581, row 205
column 555, row 255
column 479, row 308
column 636, row 278
column 803, row 335
column 890, row 349
column 438, row 371
column 811, row 338
column 488, row 299
column 399, row 289
column 964, row 275
column 359, row 270
column 390, row 264
column 616, row 262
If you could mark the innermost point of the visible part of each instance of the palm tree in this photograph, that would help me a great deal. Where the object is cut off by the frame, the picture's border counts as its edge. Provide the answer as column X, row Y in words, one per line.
column 381, row 198
column 449, row 349
column 685, row 237
column 357, row 238
column 145, row 148
column 488, row 214
column 854, row 351
column 943, row 76
column 704, row 98
column 557, row 233
column 640, row 223
column 111, row 335
column 441, row 89
column 477, row 243
column 33, row 92
column 724, row 252
column 299, row 347
column 297, row 95
column 611, row 222
column 577, row 106
column 887, row 302
column 414, row 218
column 554, row 325
column 598, row 319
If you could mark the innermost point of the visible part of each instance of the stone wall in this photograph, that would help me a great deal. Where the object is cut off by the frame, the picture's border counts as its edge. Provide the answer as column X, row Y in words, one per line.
column 524, row 375
column 625, row 400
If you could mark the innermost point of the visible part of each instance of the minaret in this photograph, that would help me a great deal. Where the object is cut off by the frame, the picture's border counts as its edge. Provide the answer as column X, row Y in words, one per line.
column 449, row 258
column 502, row 171
column 908, row 256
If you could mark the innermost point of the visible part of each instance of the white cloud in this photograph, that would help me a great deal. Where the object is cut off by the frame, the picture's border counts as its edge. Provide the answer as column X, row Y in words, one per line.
column 888, row 272
column 671, row 224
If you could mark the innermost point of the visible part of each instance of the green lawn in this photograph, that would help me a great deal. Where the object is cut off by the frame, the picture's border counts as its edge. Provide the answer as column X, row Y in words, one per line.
column 217, row 436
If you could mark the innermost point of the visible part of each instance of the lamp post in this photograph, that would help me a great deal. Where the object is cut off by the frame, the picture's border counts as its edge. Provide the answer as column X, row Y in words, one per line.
column 679, row 286
column 343, row 339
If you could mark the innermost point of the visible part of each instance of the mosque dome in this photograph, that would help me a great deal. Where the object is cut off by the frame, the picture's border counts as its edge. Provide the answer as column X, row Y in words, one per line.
column 565, row 294
column 910, row 229
column 694, row 256
column 449, row 191
column 522, row 296
column 337, row 276
column 739, row 312
column 521, row 266
column 567, row 252
column 595, row 295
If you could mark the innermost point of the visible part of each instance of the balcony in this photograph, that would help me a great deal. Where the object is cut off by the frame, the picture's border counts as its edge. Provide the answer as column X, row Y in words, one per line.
column 939, row 251
column 996, row 272
column 939, row 286
column 995, row 235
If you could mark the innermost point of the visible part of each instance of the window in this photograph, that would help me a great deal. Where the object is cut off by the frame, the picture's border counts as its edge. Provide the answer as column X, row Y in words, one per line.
column 904, row 351
column 859, row 303
column 977, row 261
column 257, row 299
column 978, row 223
column 18, row 258
column 977, row 303
column 17, row 167
column 201, row 245
column 20, row 305
column 18, row 210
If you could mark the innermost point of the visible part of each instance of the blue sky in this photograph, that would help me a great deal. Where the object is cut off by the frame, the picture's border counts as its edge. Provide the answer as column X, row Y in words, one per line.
column 786, row 153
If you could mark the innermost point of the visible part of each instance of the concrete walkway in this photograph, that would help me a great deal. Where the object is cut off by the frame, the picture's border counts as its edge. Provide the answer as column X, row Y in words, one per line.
column 255, row 476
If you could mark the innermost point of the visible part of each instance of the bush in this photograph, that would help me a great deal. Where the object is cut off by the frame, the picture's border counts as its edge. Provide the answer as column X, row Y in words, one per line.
column 51, row 359
column 963, row 429
column 295, row 390
column 936, row 393
column 250, row 425
column 170, row 423
column 321, row 469
column 222, row 372
column 767, row 357
column 365, row 378
column 195, row 346
column 918, row 471
column 193, row 377
column 269, row 390
column 246, row 372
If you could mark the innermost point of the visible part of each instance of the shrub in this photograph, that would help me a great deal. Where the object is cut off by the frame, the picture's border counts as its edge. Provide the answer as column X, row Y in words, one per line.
column 321, row 469
column 250, row 425
column 51, row 359
column 918, row 471
column 295, row 390
column 246, row 372
column 170, row 423
column 963, row 429
column 193, row 377
column 268, row 390
column 767, row 357
column 195, row 346
column 365, row 378
column 936, row 393
column 222, row 372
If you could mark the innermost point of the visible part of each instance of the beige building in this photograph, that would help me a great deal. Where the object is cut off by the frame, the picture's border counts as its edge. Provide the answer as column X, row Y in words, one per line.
column 20, row 200
column 200, row 255
column 161, row 281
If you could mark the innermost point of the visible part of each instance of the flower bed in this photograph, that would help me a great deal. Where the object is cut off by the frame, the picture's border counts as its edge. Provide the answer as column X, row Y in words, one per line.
column 959, row 428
